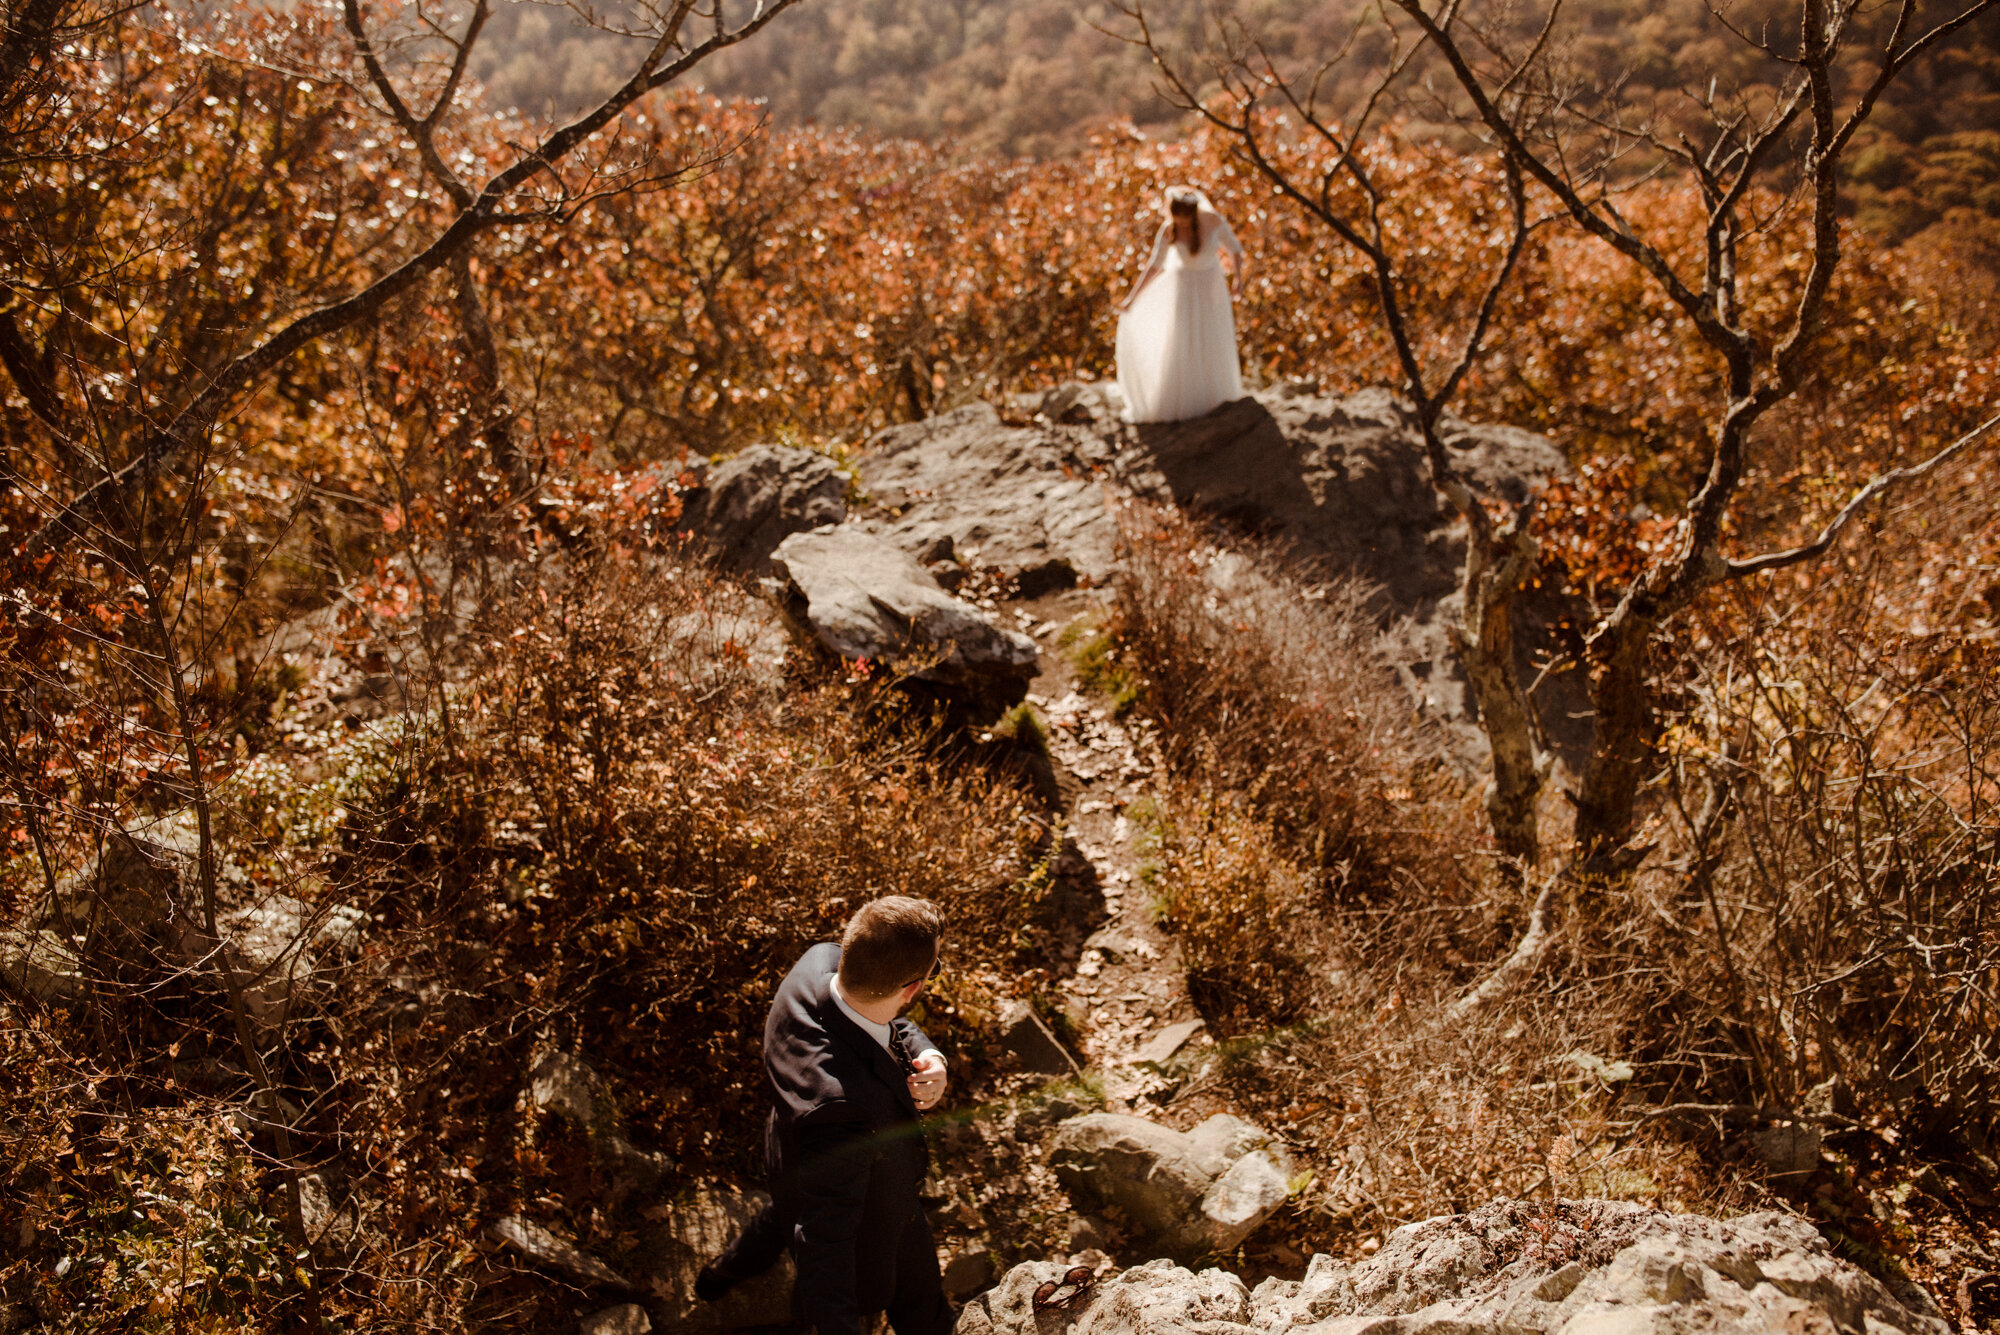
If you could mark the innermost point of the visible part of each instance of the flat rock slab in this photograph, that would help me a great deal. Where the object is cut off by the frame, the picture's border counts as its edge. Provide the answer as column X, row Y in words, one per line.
column 1017, row 498
column 545, row 1247
column 1586, row 1267
column 1169, row 1041
column 863, row 599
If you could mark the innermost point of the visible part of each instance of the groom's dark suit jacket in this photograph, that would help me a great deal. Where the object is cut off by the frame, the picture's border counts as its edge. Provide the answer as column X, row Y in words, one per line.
column 844, row 1143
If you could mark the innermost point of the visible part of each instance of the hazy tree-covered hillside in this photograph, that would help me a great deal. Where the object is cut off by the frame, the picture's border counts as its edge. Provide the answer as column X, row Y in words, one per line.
column 1037, row 78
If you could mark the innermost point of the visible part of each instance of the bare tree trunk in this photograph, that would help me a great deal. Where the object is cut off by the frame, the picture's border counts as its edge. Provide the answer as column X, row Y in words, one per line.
column 1622, row 751
column 493, row 413
column 1496, row 564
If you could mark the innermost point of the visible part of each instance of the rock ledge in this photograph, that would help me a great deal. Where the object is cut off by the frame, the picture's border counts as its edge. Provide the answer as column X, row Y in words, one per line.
column 1586, row 1267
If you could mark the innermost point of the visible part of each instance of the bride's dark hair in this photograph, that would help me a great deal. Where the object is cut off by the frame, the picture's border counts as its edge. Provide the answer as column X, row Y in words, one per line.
column 1185, row 203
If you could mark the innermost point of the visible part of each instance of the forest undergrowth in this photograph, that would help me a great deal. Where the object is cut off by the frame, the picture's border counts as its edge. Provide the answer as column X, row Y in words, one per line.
column 1803, row 951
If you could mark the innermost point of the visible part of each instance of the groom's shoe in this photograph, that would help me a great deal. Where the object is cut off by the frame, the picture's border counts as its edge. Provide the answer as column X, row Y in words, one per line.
column 711, row 1283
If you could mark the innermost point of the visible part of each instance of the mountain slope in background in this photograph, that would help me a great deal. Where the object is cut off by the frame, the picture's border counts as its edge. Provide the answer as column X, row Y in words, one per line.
column 1034, row 78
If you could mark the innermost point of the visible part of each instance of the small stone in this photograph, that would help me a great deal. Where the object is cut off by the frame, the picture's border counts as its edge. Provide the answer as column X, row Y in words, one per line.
column 547, row 1248
column 1169, row 1041
column 1242, row 1199
column 1047, row 577
column 624, row 1319
column 1788, row 1149
column 968, row 1273
column 1028, row 1037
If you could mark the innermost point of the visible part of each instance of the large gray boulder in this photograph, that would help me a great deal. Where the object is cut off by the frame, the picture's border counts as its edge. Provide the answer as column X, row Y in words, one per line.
column 756, row 498
column 1511, row 1268
column 1192, row 1192
column 863, row 599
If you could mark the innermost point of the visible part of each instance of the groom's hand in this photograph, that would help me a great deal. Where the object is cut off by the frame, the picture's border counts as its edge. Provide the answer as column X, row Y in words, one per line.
column 927, row 1081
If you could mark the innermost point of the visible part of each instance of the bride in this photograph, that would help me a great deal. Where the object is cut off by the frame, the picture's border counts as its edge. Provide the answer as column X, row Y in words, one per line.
column 1176, row 332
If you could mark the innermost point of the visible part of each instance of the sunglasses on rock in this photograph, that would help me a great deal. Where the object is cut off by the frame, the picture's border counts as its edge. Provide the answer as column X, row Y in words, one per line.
column 1077, row 1279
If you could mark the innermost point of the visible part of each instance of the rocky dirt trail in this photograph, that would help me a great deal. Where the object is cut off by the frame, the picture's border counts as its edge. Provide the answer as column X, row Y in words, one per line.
column 1127, row 998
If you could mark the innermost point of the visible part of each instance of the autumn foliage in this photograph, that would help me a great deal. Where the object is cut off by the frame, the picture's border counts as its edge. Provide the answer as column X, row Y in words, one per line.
column 604, row 818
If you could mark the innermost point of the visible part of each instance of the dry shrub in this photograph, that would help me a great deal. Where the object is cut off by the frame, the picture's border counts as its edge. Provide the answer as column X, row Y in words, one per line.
column 127, row 1207
column 615, row 833
column 626, row 836
column 1835, row 901
column 1403, row 1111
column 1318, row 858
column 1268, row 681
column 1301, row 779
column 679, row 840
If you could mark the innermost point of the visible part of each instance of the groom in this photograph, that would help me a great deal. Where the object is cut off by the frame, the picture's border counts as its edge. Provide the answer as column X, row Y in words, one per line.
column 843, row 1146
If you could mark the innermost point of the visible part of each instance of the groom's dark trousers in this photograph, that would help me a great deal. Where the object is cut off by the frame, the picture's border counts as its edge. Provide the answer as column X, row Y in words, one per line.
column 846, row 1158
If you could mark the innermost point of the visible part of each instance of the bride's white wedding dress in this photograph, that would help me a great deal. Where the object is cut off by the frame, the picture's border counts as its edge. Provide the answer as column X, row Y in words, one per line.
column 1177, row 339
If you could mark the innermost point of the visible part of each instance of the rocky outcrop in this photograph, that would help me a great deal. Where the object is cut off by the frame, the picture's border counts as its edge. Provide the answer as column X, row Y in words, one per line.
column 863, row 599
column 1573, row 1268
column 1341, row 482
column 1191, row 1192
column 1034, row 495
column 760, row 496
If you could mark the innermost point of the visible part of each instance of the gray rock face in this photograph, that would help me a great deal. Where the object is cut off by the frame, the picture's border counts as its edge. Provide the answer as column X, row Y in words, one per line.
column 862, row 598
column 758, row 497
column 136, row 895
column 1192, row 1192
column 1581, row 1268
column 1018, row 498
column 1342, row 479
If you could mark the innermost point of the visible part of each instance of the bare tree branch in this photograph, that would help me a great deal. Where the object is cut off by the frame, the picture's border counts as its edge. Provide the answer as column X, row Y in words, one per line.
column 1894, row 477
column 192, row 421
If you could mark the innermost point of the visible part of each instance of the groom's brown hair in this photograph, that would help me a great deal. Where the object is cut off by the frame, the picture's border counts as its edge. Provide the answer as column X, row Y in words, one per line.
column 889, row 943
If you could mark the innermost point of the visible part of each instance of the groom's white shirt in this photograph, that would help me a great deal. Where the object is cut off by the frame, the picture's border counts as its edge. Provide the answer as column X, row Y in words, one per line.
column 878, row 1032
